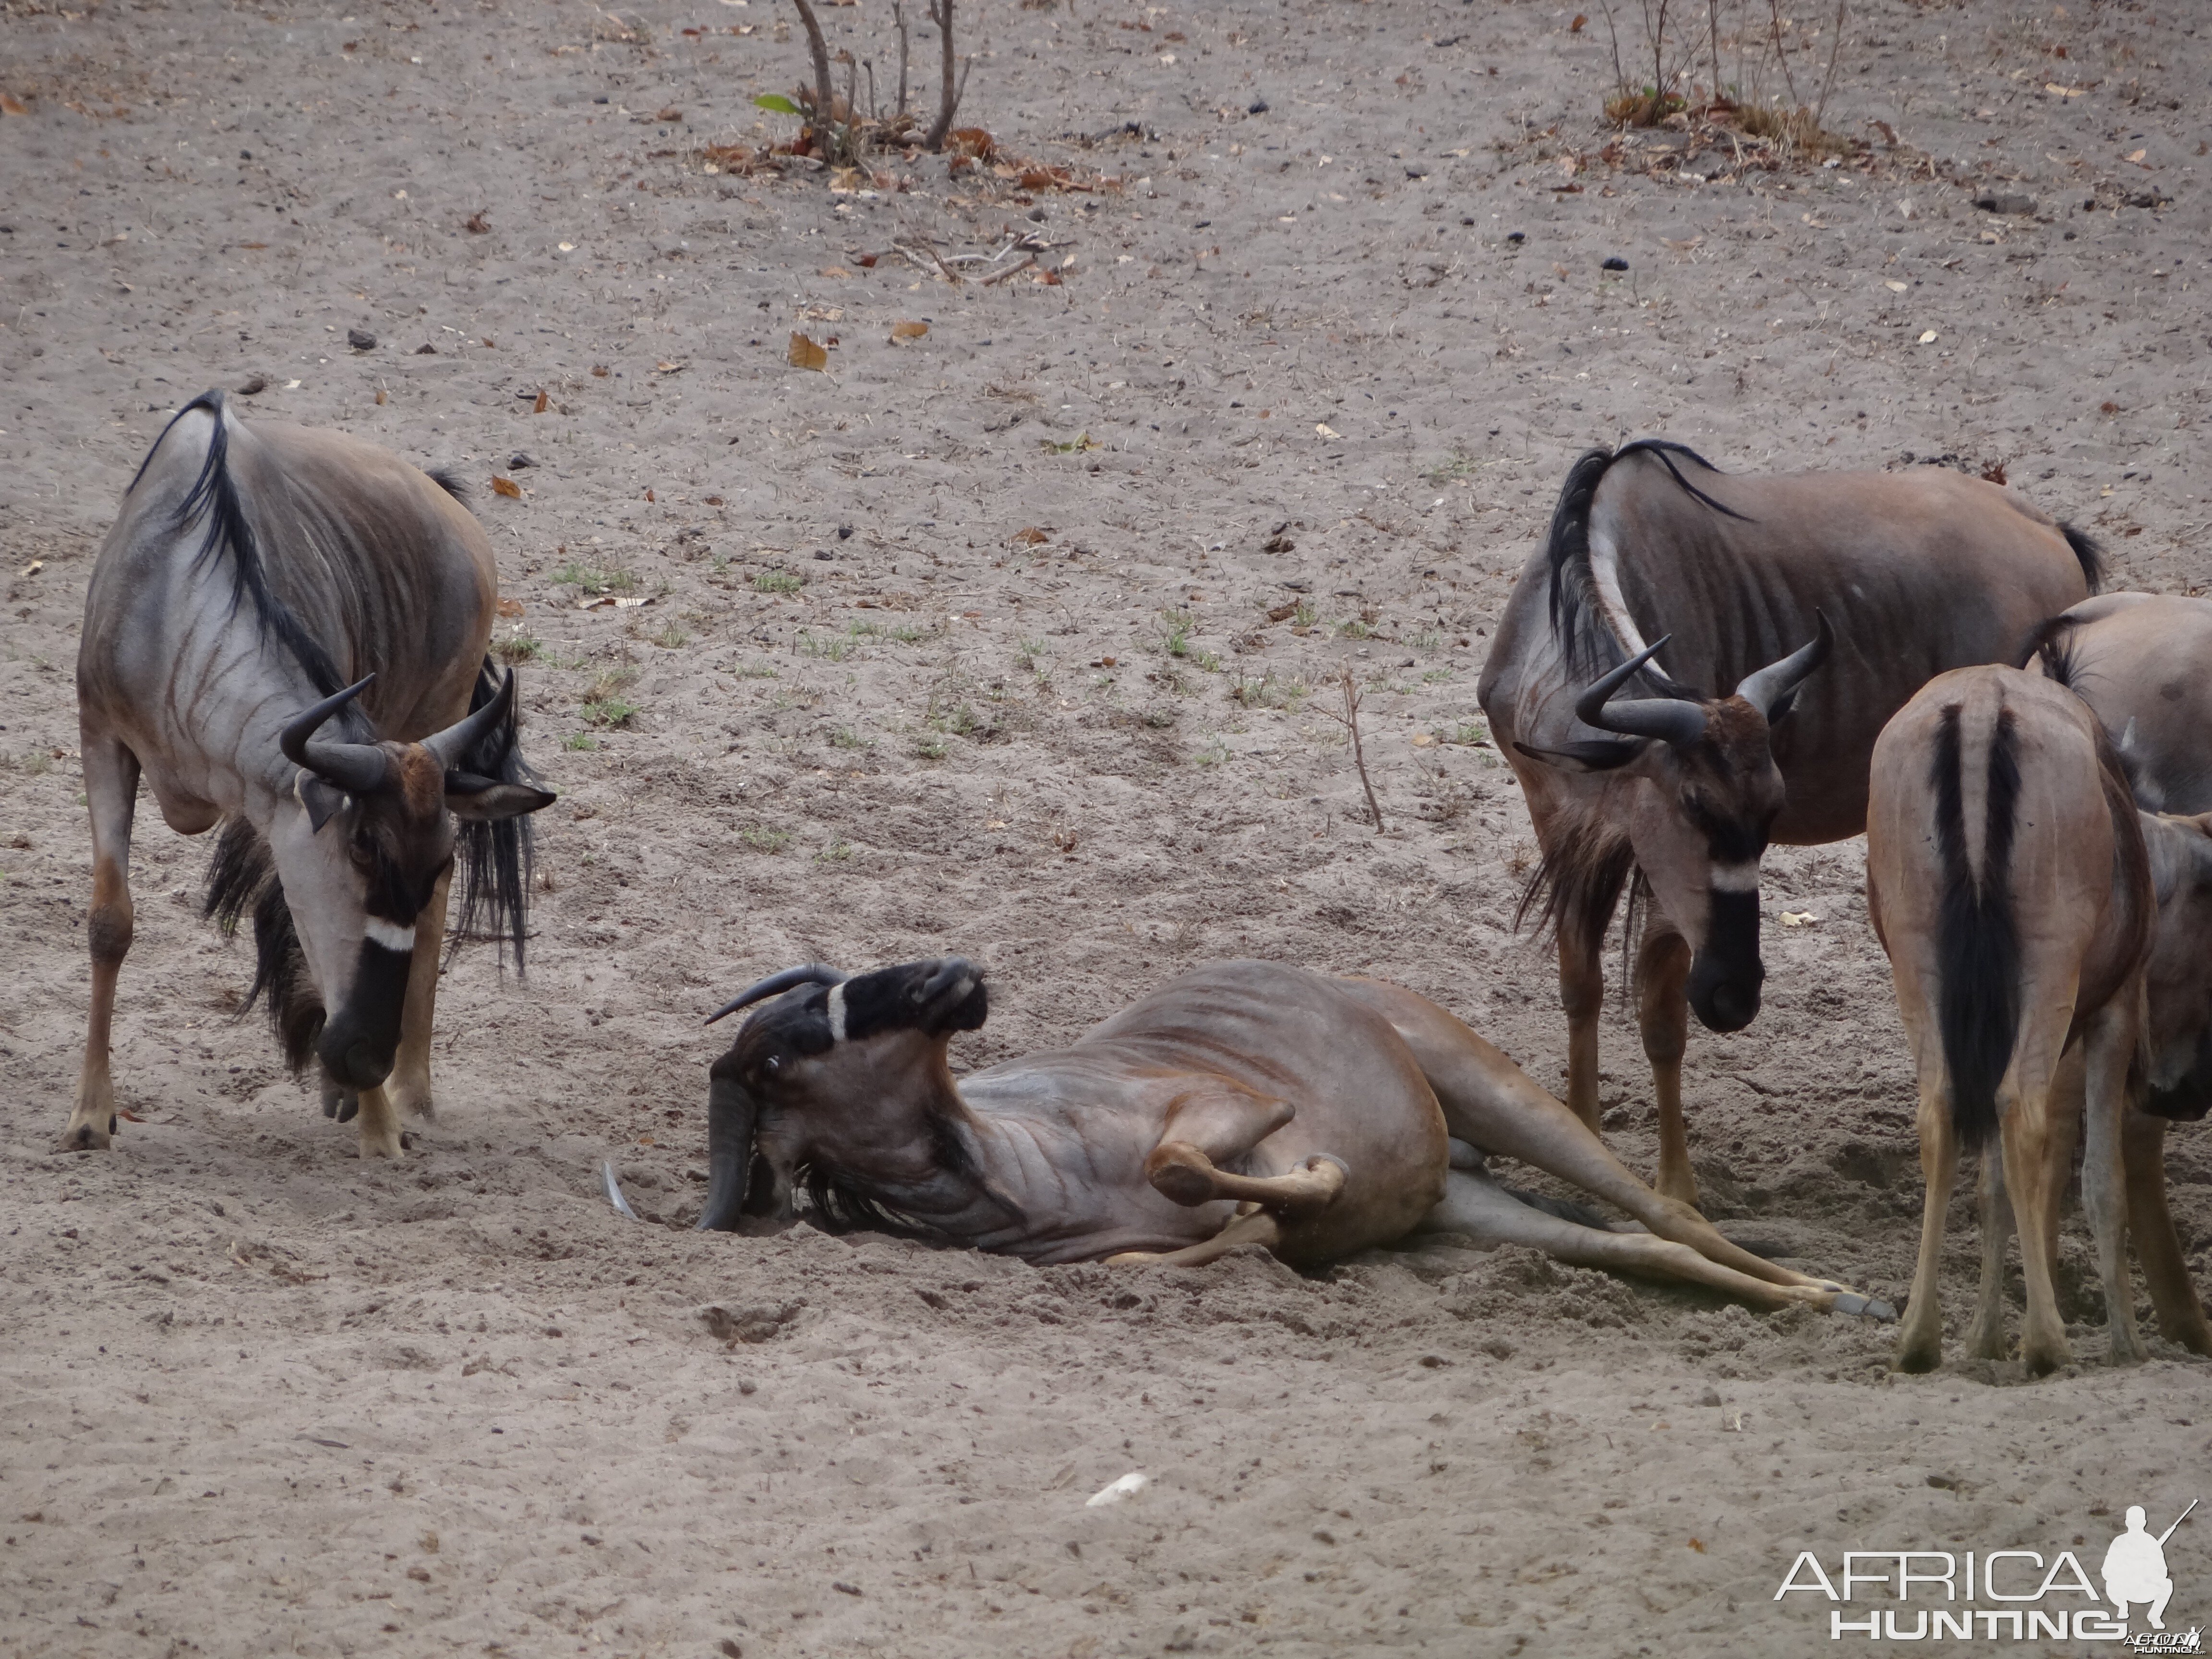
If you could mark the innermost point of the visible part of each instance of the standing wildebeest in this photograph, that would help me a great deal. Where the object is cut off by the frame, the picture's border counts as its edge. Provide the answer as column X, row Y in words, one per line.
column 2143, row 663
column 253, row 573
column 1245, row 1102
column 1909, row 574
column 2006, row 878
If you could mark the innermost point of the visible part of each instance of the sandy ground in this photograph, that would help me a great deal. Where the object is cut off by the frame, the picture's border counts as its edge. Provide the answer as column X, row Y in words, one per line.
column 261, row 1398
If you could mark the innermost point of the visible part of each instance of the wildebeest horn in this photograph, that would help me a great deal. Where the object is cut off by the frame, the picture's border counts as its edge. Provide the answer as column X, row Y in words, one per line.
column 1674, row 719
column 451, row 747
column 812, row 972
column 359, row 768
column 1769, row 689
column 730, row 1115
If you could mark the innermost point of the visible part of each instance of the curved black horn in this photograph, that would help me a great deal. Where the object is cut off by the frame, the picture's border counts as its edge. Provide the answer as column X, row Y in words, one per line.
column 359, row 768
column 451, row 747
column 1674, row 719
column 812, row 972
column 1769, row 689
column 730, row 1115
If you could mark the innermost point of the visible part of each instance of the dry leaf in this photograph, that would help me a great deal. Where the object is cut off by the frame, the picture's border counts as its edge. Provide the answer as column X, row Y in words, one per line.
column 670, row 368
column 543, row 403
column 1283, row 612
column 9, row 107
column 671, row 114
column 835, row 271
column 908, row 330
column 380, row 397
column 1031, row 535
column 37, row 565
column 255, row 246
column 598, row 371
column 972, row 141
column 2063, row 92
column 1927, row 338
column 477, row 223
column 1798, row 918
column 1577, row 27
column 649, row 495
column 2138, row 155
column 712, row 501
column 510, row 607
column 1896, row 287
column 1423, row 739
column 506, row 487
column 805, row 354
column 614, row 602
column 1326, row 430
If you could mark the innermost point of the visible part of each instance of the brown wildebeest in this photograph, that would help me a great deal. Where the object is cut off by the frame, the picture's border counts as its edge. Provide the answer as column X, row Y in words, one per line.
column 2143, row 663
column 1731, row 747
column 253, row 572
column 1245, row 1102
column 2006, row 878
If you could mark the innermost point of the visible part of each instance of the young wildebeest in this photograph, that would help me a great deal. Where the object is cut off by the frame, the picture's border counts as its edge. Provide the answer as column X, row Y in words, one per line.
column 2143, row 663
column 2006, row 878
column 1245, row 1102
column 253, row 573
column 1686, row 784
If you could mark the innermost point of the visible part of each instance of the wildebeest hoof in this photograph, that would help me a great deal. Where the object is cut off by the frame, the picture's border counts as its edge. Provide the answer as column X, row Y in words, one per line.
column 1181, row 1177
column 86, row 1137
column 1851, row 1304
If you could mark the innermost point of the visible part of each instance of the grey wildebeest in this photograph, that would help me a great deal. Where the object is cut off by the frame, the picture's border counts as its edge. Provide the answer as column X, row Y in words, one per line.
column 285, row 633
column 1245, row 1102
column 2007, row 879
column 1879, row 580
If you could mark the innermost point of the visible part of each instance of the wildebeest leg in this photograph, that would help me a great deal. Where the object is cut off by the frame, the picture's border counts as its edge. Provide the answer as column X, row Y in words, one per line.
column 1474, row 1203
column 1181, row 1172
column 1663, row 1011
column 2180, row 1314
column 1490, row 1102
column 1581, row 994
column 2025, row 1134
column 111, row 794
column 409, row 1085
column 380, row 1124
column 2110, row 1044
column 1920, row 1337
column 1257, row 1228
column 1213, row 1123
column 1985, row 1337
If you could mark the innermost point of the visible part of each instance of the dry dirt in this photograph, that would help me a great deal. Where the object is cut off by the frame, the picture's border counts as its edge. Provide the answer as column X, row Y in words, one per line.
column 260, row 1398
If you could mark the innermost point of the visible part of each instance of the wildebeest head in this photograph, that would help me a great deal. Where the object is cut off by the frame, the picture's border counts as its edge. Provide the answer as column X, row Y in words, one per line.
column 834, row 1068
column 1710, row 792
column 362, row 859
column 2178, row 983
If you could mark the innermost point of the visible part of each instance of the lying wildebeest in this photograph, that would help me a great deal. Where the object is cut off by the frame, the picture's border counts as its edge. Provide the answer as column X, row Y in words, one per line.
column 1245, row 1102
column 1748, row 579
column 2006, row 877
column 253, row 572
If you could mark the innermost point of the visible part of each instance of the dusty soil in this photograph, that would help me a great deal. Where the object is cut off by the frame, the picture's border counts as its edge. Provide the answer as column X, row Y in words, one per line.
column 262, row 1398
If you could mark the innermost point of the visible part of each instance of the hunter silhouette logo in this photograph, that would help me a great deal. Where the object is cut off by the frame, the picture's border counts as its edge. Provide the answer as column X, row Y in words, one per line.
column 2135, row 1567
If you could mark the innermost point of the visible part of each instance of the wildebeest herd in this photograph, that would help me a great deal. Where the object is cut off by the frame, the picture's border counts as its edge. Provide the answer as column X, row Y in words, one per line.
column 286, row 632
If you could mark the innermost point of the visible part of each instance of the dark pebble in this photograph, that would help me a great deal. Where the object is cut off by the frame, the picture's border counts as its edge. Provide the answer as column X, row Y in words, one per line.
column 360, row 339
column 1516, row 237
column 1616, row 263
column 844, row 532
column 517, row 461
column 1257, row 106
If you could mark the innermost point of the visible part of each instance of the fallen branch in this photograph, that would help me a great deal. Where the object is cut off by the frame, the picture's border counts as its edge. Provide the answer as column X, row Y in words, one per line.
column 1350, row 721
column 819, row 47
column 1029, row 264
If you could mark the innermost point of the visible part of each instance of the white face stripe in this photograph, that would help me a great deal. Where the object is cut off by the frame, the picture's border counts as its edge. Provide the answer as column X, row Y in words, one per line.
column 837, row 1013
column 389, row 934
column 1736, row 878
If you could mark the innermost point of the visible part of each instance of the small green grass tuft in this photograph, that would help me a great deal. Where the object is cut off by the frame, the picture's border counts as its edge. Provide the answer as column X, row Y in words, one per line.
column 830, row 648
column 580, row 740
column 517, row 648
column 671, row 637
column 594, row 578
column 776, row 581
column 761, row 839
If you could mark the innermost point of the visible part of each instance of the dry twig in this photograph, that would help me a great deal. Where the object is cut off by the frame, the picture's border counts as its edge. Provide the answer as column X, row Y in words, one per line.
column 1350, row 721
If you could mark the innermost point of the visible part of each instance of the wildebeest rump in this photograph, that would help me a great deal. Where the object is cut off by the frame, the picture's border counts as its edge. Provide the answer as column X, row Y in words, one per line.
column 1245, row 1102
column 285, row 633
column 1912, row 574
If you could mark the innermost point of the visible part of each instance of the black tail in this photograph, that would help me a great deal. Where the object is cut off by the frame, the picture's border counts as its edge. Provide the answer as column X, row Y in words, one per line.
column 1976, row 944
column 243, row 874
column 2087, row 550
column 214, row 494
column 495, row 859
column 1567, row 550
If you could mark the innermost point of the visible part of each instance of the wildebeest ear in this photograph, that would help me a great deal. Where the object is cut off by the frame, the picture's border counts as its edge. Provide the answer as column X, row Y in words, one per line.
column 323, row 800
column 1588, row 756
column 480, row 800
